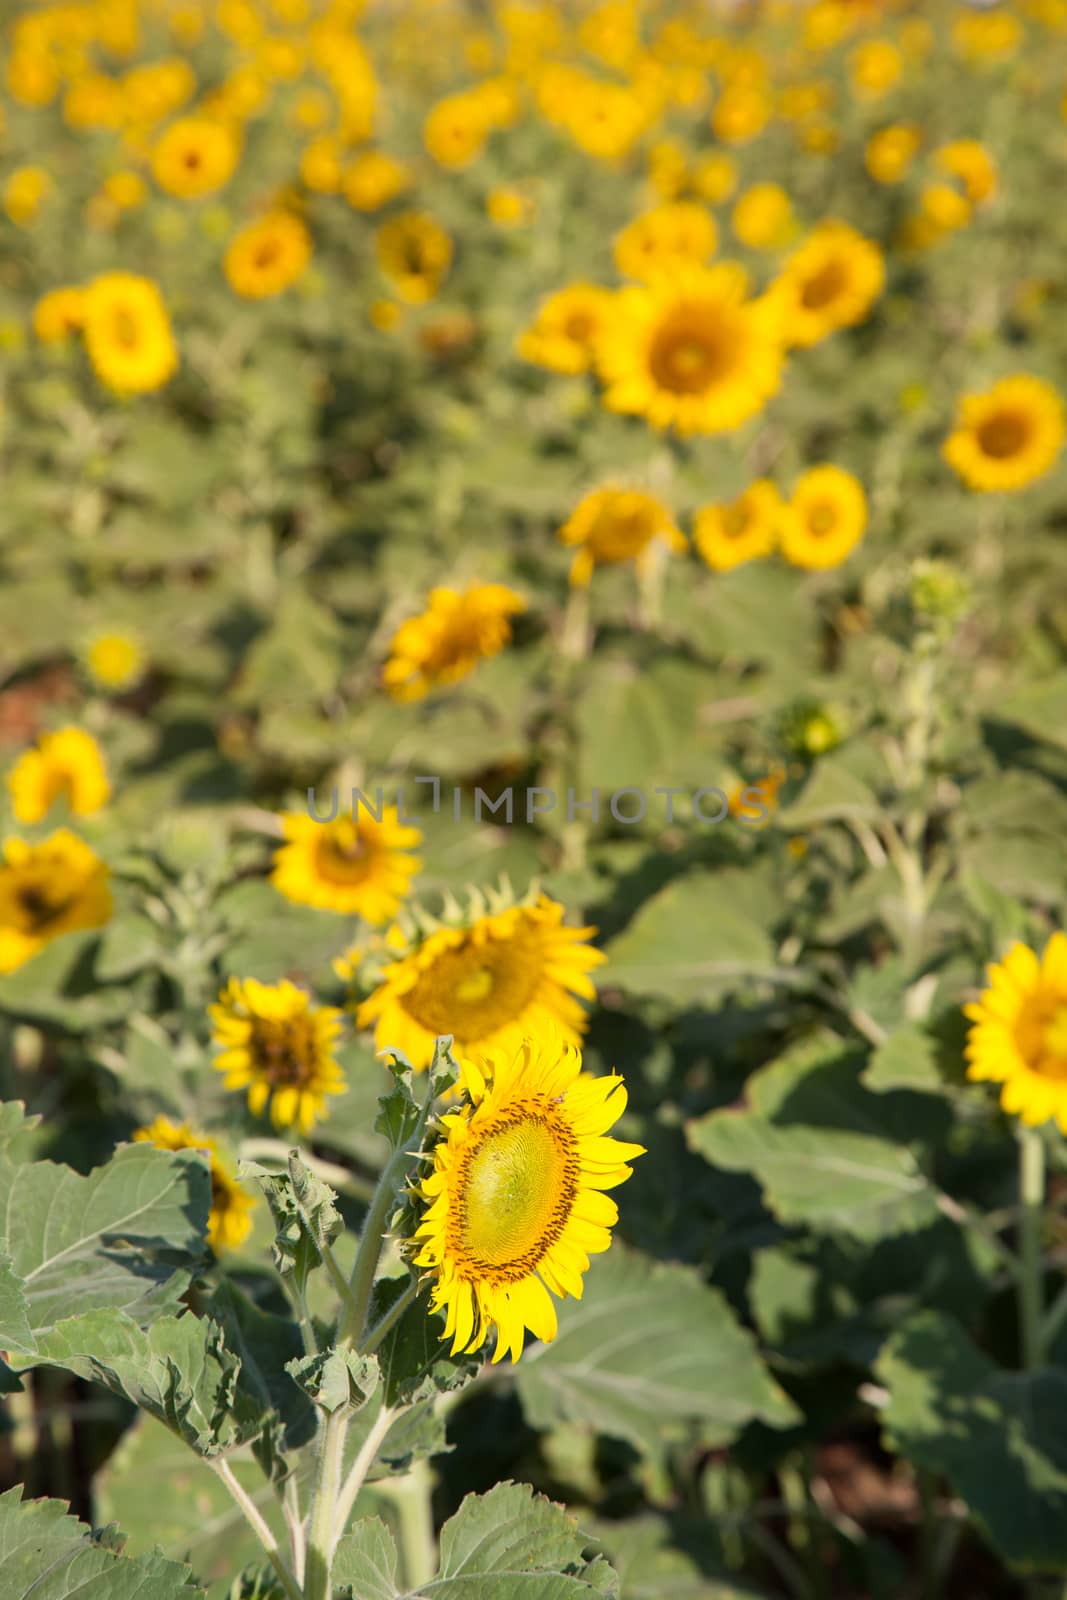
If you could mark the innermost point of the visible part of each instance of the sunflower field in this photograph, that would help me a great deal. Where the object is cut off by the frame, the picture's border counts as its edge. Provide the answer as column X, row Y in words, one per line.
column 533, row 800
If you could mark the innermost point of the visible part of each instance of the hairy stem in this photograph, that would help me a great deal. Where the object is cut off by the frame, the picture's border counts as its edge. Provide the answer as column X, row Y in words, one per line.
column 224, row 1472
column 359, row 1469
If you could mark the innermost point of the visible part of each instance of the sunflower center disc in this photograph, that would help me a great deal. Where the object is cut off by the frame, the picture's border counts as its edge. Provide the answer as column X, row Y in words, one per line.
column 515, row 1183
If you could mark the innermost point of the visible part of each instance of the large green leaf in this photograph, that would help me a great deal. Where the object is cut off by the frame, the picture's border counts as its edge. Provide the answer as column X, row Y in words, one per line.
column 648, row 1351
column 686, row 940
column 651, row 1567
column 833, row 793
column 47, row 1555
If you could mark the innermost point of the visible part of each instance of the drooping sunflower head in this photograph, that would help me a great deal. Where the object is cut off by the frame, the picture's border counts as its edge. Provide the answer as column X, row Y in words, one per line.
column 128, row 333
column 567, row 329
column 277, row 1044
column 268, row 256
column 1018, row 1036
column 229, row 1220
column 612, row 525
column 1007, row 436
column 696, row 354
column 414, row 254
column 487, row 979
column 515, row 1200
column 65, row 765
column 830, row 282
column 824, row 520
column 727, row 535
column 47, row 889
column 353, row 864
column 445, row 642
column 679, row 233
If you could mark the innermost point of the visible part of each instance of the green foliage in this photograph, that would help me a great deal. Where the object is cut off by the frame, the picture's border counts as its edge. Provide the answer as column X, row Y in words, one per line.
column 42, row 1548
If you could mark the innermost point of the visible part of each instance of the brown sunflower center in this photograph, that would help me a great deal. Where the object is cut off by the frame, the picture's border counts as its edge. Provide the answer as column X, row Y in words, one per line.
column 578, row 326
column 284, row 1053
column 824, row 286
column 621, row 533
column 267, row 254
column 1003, row 434
column 516, row 1190
column 342, row 853
column 38, row 903
column 821, row 518
column 693, row 350
column 473, row 989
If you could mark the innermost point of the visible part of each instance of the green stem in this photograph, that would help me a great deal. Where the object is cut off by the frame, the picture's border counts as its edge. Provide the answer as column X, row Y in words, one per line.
column 327, row 1488
column 1032, row 1197
column 385, row 1325
column 224, row 1472
column 418, row 1548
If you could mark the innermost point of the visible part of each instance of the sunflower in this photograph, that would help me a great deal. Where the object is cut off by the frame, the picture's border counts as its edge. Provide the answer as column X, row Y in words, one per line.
column 1018, row 1036
column 195, row 157
column 48, row 889
column 58, row 314
column 662, row 240
column 65, row 765
column 502, row 975
column 515, row 1201
column 970, row 163
column 374, row 179
column 229, row 1222
column 694, row 354
column 824, row 520
column 741, row 113
column 355, row 865
column 24, row 193
column 456, row 129
column 1007, row 436
column 414, row 253
column 268, row 256
column 874, row 67
column 115, row 661
column 891, row 151
column 729, row 534
column 612, row 525
column 445, row 642
column 714, row 177
column 278, row 1046
column 763, row 217
column 567, row 328
column 830, row 282
column 128, row 333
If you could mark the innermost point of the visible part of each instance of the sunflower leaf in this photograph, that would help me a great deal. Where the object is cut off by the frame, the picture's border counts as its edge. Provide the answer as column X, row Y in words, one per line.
column 306, row 1218
column 335, row 1378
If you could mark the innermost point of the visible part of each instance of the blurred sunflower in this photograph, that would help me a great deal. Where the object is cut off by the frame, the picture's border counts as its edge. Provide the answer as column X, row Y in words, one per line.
column 830, row 282
column 195, row 157
column 128, row 333
column 65, row 765
column 515, row 1201
column 694, row 354
column 114, row 661
column 279, row 1046
column 714, row 177
column 48, row 889
column 660, row 241
column 971, row 164
column 733, row 532
column 891, row 151
column 1007, row 436
column 763, row 217
column 229, row 1222
column 741, row 113
column 354, row 865
column 58, row 314
column 268, row 256
column 501, row 975
column 824, row 519
column 567, row 328
column 455, row 130
column 445, row 642
column 611, row 525
column 874, row 67
column 373, row 179
column 24, row 193
column 414, row 253
column 1018, row 1036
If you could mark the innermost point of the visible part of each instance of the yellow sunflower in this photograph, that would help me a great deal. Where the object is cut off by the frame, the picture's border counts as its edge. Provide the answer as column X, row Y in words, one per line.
column 891, row 151
column 229, row 1222
column 456, row 129
column 824, row 520
column 515, row 1201
column 374, row 179
column 115, row 661
column 354, row 865
column 830, row 282
column 1007, row 436
column 763, row 217
column 414, row 253
column 279, row 1046
column 268, row 256
column 614, row 524
column 504, row 974
column 58, row 314
column 1018, row 1036
column 195, row 157
column 729, row 534
column 565, row 333
column 65, row 765
column 47, row 889
column 128, row 333
column 694, row 354
column 445, row 642
column 971, row 164
column 662, row 240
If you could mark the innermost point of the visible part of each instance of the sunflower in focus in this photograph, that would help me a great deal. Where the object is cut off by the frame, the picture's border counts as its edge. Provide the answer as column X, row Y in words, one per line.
column 611, row 525
column 115, row 661
column 128, row 333
column 279, row 1046
column 1007, row 436
column 229, row 1221
column 830, row 282
column 500, row 975
column 48, row 889
column 355, row 865
column 694, row 354
column 66, row 765
column 515, row 1204
column 196, row 156
column 445, row 642
column 824, row 520
column 58, row 314
column 662, row 240
column 268, row 256
column 729, row 534
column 414, row 253
column 1018, row 1035
column 567, row 329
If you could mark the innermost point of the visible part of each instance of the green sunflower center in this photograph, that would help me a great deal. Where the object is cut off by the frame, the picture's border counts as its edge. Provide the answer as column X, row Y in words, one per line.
column 517, row 1193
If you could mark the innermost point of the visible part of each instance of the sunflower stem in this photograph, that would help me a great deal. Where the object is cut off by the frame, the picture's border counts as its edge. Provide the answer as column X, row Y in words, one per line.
column 224, row 1472
column 1032, row 1196
column 385, row 1325
column 412, row 1497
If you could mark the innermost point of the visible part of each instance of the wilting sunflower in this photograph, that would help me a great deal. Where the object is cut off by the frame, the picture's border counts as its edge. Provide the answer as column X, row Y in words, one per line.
column 279, row 1046
column 694, row 354
column 615, row 524
column 516, row 1202
column 729, row 534
column 355, row 865
column 58, row 314
column 660, row 241
column 414, row 253
column 114, row 661
column 567, row 328
column 830, row 282
column 48, row 889
column 195, row 157
column 444, row 643
column 1007, row 436
column 128, row 333
column 268, row 256
column 1018, row 1036
column 65, row 765
column 501, row 975
column 824, row 520
column 229, row 1221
